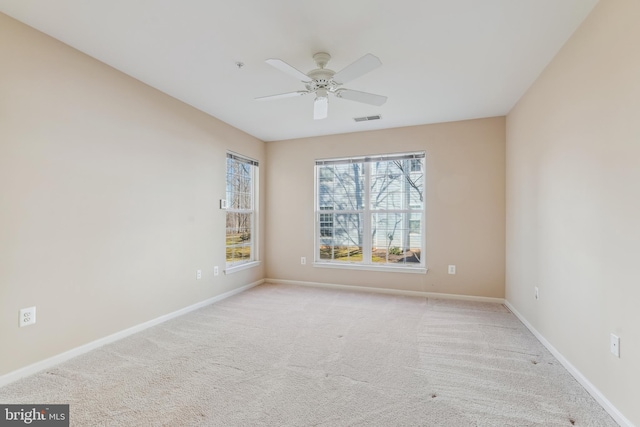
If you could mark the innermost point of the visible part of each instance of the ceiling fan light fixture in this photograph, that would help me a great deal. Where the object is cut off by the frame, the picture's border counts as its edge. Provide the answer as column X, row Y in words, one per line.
column 322, row 93
column 320, row 108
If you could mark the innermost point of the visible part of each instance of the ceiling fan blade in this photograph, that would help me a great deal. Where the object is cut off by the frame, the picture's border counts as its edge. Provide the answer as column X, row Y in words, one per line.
column 282, row 95
column 288, row 69
column 360, row 67
column 365, row 97
column 320, row 108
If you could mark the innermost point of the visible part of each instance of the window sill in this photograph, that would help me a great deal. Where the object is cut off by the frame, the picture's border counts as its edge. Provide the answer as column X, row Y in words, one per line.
column 369, row 267
column 239, row 267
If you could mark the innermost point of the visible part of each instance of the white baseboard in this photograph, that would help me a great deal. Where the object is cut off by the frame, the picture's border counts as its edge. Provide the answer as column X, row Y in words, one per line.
column 62, row 357
column 387, row 291
column 591, row 389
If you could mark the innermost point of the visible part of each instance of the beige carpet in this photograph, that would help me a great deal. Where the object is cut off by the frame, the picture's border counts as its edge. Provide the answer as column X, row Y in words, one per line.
column 293, row 356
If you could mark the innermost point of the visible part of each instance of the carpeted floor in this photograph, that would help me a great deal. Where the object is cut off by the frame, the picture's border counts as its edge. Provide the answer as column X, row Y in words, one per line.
column 281, row 355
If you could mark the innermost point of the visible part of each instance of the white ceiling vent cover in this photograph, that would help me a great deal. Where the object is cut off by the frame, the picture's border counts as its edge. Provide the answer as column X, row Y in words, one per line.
column 367, row 118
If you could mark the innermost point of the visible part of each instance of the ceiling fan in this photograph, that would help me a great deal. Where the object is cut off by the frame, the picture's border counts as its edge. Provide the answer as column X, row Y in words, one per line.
column 323, row 81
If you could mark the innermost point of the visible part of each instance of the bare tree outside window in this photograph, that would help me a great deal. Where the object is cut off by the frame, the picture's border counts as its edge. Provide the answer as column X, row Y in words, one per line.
column 370, row 210
column 240, row 214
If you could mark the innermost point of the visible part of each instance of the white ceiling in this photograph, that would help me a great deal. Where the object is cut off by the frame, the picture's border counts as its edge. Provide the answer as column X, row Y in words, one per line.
column 443, row 60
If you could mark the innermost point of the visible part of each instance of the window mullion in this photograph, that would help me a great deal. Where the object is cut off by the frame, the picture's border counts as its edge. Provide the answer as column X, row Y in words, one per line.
column 316, row 202
column 252, row 216
column 366, row 213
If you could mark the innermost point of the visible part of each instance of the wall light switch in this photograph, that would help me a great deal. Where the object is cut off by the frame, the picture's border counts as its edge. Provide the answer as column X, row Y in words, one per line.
column 216, row 271
column 452, row 269
column 198, row 274
column 303, row 260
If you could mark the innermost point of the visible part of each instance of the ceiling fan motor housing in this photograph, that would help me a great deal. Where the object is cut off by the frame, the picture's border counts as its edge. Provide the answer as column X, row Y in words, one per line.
column 321, row 79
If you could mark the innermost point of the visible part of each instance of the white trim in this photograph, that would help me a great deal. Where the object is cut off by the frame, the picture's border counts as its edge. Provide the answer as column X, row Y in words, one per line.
column 70, row 354
column 591, row 389
column 241, row 158
column 371, row 267
column 388, row 291
column 385, row 157
column 235, row 268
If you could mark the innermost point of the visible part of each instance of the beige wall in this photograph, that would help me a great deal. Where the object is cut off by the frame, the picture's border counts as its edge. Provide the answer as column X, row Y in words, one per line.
column 464, row 197
column 573, row 202
column 108, row 199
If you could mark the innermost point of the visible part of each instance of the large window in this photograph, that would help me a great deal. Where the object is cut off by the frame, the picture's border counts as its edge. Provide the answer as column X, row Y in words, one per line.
column 370, row 211
column 241, row 211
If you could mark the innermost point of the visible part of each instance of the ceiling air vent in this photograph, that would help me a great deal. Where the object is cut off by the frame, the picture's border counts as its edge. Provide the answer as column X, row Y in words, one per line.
column 367, row 118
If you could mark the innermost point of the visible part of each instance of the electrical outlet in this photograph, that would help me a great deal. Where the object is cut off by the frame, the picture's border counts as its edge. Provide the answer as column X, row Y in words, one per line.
column 452, row 269
column 303, row 260
column 536, row 293
column 27, row 316
column 198, row 274
column 615, row 345
column 216, row 271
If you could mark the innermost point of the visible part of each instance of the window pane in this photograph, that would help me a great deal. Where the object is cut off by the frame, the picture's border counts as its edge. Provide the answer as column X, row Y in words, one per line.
column 239, row 185
column 326, row 225
column 393, row 241
column 238, row 227
column 395, row 186
column 239, row 236
column 238, row 253
column 341, row 187
column 344, row 243
column 415, row 181
column 386, row 185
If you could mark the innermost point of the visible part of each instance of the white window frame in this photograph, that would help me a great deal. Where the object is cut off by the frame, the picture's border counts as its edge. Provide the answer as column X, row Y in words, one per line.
column 367, row 212
column 231, row 267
